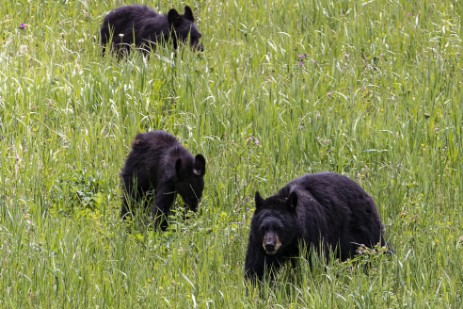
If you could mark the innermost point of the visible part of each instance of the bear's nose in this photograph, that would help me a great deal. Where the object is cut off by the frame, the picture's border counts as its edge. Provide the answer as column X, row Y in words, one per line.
column 270, row 247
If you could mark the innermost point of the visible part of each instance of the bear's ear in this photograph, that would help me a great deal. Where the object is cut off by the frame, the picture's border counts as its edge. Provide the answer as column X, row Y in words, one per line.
column 199, row 167
column 136, row 143
column 188, row 14
column 292, row 200
column 174, row 18
column 258, row 200
column 139, row 141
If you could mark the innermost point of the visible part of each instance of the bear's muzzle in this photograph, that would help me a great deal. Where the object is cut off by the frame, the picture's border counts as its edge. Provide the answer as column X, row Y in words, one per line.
column 271, row 243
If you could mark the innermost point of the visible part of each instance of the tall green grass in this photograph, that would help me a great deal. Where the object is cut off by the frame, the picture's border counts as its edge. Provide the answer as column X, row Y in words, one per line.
column 377, row 97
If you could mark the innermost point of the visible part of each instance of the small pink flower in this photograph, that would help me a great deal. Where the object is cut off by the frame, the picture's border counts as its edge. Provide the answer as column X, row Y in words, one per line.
column 252, row 140
column 22, row 26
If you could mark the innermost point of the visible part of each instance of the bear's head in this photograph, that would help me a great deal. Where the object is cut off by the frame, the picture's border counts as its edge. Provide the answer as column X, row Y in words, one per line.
column 189, row 180
column 274, row 223
column 184, row 27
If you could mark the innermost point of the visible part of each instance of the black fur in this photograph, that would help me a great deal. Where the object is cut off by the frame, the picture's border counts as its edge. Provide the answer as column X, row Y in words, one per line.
column 326, row 212
column 159, row 164
column 143, row 27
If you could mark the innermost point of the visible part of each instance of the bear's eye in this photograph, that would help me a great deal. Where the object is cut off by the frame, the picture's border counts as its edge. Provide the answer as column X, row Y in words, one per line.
column 270, row 227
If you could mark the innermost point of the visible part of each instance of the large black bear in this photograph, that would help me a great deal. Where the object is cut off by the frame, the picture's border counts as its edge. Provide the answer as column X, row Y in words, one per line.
column 159, row 164
column 144, row 28
column 326, row 212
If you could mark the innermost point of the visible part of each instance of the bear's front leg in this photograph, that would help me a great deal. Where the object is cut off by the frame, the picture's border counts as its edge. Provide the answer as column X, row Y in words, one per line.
column 125, row 209
column 255, row 263
column 260, row 266
column 131, row 197
column 161, row 208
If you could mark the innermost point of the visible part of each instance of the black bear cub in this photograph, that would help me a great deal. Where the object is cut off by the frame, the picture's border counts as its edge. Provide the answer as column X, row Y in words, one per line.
column 325, row 212
column 159, row 164
column 141, row 26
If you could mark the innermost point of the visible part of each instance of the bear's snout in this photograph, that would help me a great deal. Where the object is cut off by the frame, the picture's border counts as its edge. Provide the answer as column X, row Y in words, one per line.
column 271, row 243
column 198, row 47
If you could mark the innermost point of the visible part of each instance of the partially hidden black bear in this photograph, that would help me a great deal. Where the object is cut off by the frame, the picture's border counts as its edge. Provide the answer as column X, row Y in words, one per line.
column 141, row 26
column 326, row 212
column 158, row 164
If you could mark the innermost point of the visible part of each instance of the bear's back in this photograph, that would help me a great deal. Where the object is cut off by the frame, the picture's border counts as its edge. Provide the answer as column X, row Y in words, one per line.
column 346, row 214
column 131, row 12
column 163, row 150
column 146, row 161
column 157, row 140
column 331, row 189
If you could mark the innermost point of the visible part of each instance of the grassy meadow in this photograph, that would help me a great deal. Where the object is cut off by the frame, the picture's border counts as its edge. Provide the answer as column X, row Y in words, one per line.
column 370, row 89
